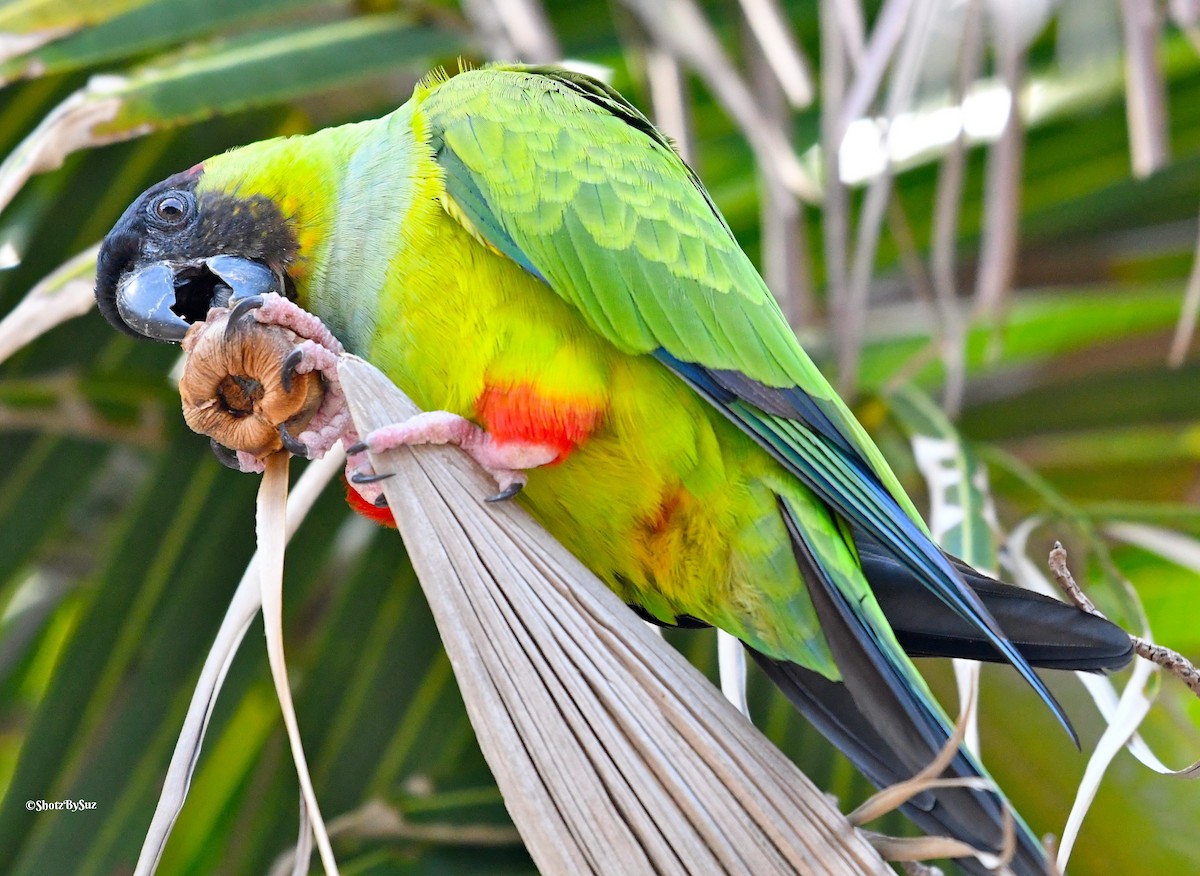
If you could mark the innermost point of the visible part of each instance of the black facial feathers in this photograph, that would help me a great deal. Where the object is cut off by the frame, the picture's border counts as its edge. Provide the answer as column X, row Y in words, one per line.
column 124, row 247
column 169, row 222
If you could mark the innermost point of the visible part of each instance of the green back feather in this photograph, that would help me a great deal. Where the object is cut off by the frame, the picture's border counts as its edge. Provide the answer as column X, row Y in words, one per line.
column 564, row 176
column 568, row 178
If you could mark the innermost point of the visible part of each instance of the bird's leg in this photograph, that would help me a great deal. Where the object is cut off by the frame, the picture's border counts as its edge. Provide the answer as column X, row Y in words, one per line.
column 319, row 351
column 505, row 461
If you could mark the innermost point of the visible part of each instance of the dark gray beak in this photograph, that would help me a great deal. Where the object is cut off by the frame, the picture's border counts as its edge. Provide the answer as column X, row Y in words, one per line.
column 161, row 300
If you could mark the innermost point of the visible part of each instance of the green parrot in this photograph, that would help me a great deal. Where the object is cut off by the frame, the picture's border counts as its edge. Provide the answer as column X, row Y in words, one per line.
column 528, row 258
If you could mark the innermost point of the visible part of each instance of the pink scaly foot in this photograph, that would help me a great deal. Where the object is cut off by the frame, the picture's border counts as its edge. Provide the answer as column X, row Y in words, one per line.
column 319, row 351
column 505, row 462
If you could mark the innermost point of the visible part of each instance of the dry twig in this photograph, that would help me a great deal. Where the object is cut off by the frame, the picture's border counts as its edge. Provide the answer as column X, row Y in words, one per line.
column 835, row 214
column 1186, row 327
column 680, row 27
column 1172, row 661
column 952, row 330
column 513, row 29
column 919, row 868
column 785, row 260
column 1145, row 92
column 916, row 849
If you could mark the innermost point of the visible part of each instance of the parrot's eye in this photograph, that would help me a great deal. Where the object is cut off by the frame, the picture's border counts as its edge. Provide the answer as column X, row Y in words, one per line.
column 171, row 208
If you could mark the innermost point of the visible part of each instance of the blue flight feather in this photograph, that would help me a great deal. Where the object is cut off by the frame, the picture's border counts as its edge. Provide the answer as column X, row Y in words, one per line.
column 865, row 501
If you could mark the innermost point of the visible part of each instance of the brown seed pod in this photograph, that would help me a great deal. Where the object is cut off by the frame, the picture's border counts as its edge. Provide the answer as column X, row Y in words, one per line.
column 233, row 387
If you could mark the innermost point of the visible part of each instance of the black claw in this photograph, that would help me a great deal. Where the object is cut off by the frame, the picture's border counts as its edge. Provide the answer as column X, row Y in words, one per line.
column 239, row 312
column 290, row 444
column 356, row 448
column 359, row 478
column 224, row 455
column 507, row 493
column 381, row 501
column 293, row 359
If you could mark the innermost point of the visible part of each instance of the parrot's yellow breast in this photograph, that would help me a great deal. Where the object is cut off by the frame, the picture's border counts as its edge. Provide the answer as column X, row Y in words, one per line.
column 652, row 488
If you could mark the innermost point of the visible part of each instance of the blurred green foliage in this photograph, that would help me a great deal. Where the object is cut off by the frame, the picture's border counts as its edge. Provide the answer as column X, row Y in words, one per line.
column 121, row 538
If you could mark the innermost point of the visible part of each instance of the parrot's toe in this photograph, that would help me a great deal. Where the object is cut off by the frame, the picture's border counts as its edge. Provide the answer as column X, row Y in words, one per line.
column 504, row 461
column 290, row 368
column 509, row 491
column 314, row 351
column 364, row 480
column 277, row 310
column 238, row 315
column 224, row 455
column 291, row 444
column 362, row 477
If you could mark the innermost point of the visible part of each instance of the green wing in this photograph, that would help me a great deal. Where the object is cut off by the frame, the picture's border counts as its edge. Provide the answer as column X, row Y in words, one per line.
column 562, row 175
column 559, row 173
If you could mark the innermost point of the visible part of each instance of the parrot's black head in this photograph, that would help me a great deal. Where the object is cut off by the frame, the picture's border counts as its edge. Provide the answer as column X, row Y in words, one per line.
column 175, row 253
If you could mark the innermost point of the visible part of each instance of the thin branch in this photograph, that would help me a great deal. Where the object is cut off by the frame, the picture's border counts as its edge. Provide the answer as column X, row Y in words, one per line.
column 1002, row 192
column 1145, row 93
column 71, row 409
column 529, row 29
column 854, row 305
column 871, row 61
column 1172, row 661
column 669, row 98
column 910, row 368
column 1066, row 581
column 513, row 30
column 835, row 222
column 785, row 258
column 375, row 820
column 910, row 255
column 852, row 29
column 781, row 53
column 681, row 28
column 1186, row 327
column 488, row 29
column 1186, row 16
column 948, row 202
column 920, row 868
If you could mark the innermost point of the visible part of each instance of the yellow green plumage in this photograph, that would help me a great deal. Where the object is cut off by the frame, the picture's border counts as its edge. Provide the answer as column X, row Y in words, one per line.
column 520, row 247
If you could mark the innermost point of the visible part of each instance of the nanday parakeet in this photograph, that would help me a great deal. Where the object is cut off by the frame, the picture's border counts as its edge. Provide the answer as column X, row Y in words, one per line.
column 520, row 248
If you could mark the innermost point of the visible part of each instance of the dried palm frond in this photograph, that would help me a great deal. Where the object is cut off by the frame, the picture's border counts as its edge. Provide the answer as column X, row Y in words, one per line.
column 613, row 753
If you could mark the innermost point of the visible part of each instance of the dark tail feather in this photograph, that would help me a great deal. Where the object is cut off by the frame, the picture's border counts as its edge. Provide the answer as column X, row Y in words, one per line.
column 1049, row 633
column 886, row 727
column 971, row 816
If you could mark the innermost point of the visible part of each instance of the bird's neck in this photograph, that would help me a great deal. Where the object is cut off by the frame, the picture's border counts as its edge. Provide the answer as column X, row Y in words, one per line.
column 360, row 234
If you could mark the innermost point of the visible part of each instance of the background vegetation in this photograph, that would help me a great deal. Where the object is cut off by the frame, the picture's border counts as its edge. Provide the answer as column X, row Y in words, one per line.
column 1013, row 291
